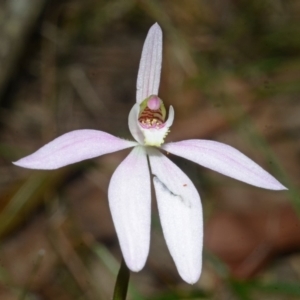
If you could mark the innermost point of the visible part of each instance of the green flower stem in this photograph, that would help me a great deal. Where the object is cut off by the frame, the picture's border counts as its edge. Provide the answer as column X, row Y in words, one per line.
column 121, row 286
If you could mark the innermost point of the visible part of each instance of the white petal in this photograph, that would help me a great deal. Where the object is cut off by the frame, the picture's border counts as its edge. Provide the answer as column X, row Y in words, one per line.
column 226, row 160
column 133, row 124
column 180, row 213
column 150, row 65
column 73, row 147
column 130, row 204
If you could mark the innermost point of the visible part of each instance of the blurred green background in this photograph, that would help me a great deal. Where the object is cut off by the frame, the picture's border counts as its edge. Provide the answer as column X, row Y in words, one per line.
column 231, row 69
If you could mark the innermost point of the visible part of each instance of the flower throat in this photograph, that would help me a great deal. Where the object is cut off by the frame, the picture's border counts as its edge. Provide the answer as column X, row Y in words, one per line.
column 152, row 113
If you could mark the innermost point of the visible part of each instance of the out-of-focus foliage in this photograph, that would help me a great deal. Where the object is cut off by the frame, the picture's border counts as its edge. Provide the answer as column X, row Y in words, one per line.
column 231, row 70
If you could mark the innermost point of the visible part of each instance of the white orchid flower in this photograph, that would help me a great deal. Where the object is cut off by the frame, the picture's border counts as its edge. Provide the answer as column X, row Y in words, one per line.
column 129, row 191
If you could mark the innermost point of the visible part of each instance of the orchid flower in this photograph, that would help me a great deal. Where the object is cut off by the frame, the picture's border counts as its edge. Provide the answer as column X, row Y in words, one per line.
column 129, row 190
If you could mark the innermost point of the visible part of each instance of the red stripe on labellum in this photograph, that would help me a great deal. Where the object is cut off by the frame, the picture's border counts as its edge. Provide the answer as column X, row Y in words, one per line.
column 148, row 115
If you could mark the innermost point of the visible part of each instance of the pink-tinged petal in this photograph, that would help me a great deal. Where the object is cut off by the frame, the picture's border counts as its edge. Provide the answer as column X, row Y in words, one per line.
column 150, row 65
column 180, row 213
column 129, row 196
column 133, row 125
column 73, row 147
column 225, row 160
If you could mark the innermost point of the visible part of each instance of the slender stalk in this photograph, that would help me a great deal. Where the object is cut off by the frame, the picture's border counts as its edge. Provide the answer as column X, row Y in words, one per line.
column 121, row 286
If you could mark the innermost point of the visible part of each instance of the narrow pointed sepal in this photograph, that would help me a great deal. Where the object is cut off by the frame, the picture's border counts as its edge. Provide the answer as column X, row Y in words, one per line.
column 73, row 147
column 150, row 65
column 129, row 197
column 225, row 160
column 180, row 214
